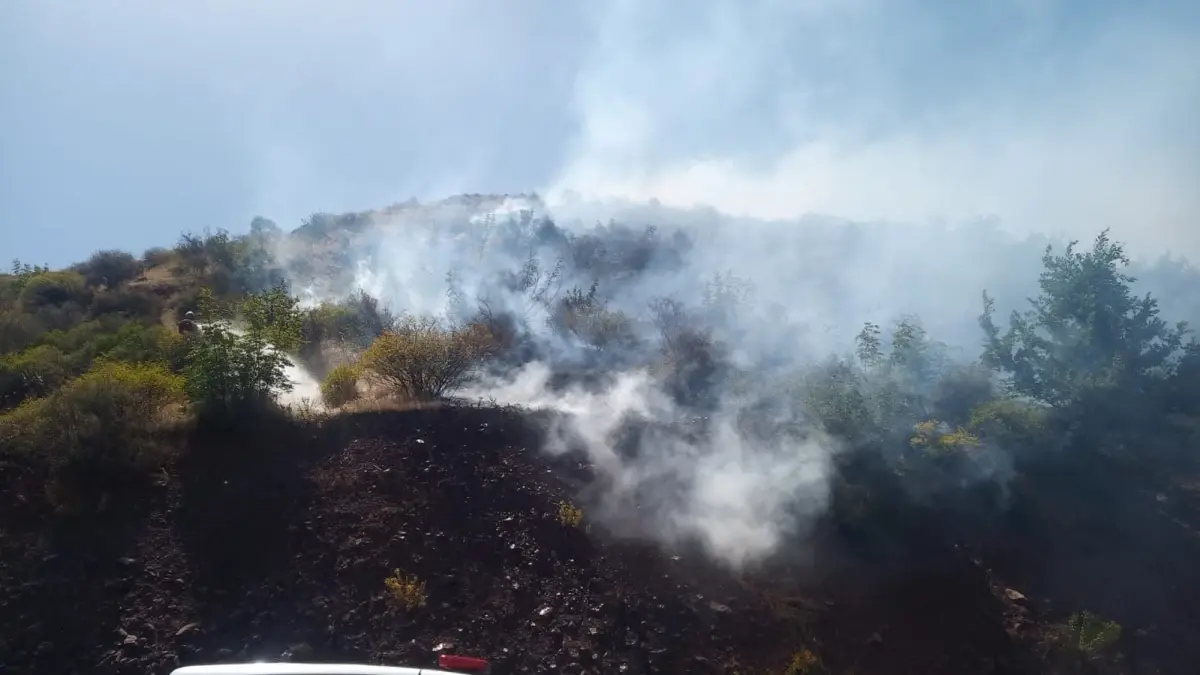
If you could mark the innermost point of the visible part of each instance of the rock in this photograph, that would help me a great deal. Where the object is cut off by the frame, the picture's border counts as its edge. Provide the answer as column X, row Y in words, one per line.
column 1015, row 596
column 299, row 651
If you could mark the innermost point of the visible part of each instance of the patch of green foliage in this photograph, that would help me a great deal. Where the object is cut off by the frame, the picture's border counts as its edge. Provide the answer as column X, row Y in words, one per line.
column 340, row 386
column 234, row 372
column 102, row 421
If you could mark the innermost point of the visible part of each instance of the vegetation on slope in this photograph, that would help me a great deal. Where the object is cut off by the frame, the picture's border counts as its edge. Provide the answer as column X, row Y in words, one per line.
column 1064, row 446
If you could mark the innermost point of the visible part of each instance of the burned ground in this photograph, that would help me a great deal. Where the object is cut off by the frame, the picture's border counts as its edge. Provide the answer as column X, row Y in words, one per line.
column 277, row 546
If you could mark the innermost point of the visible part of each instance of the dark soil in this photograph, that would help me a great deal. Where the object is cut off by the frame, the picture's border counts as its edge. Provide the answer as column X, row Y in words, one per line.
column 278, row 547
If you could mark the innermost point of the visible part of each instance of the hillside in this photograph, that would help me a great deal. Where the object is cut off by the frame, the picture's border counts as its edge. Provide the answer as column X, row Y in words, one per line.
column 293, row 549
column 514, row 458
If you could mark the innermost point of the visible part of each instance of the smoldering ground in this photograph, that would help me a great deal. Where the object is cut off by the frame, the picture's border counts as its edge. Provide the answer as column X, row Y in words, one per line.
column 676, row 347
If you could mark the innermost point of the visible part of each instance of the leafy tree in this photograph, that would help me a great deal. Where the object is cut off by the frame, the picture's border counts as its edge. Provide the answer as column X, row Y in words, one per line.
column 264, row 228
column 275, row 315
column 371, row 319
column 231, row 372
column 25, row 270
column 192, row 253
column 1085, row 331
column 868, row 346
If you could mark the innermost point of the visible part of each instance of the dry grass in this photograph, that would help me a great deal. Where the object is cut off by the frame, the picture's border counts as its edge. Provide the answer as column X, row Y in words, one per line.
column 406, row 591
column 387, row 404
column 803, row 662
column 159, row 274
column 570, row 515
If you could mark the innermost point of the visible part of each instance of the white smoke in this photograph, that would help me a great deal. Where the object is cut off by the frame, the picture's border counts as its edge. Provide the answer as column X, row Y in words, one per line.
column 815, row 282
column 305, row 389
column 737, row 495
column 1068, row 118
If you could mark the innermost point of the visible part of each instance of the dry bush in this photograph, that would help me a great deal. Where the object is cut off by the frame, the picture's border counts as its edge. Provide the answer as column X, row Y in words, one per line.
column 340, row 386
column 406, row 591
column 803, row 662
column 110, row 268
column 569, row 514
column 424, row 360
column 129, row 302
column 157, row 255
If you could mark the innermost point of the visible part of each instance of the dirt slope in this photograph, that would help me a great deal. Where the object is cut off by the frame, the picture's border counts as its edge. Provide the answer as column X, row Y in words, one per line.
column 279, row 547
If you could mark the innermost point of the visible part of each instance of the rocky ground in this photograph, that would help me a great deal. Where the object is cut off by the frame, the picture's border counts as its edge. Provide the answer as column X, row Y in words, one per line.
column 279, row 548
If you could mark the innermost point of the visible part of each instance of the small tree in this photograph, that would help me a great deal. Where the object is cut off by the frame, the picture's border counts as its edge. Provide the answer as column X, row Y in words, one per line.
column 274, row 314
column 1085, row 332
column 231, row 372
column 424, row 359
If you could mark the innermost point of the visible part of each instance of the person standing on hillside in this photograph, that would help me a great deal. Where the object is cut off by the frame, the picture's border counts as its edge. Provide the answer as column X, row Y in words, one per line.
column 188, row 325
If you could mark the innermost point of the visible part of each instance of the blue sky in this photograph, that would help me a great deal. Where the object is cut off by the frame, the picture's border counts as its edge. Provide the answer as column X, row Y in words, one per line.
column 124, row 123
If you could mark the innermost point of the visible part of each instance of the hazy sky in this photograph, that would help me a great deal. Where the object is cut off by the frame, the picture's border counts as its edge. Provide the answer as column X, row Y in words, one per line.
column 123, row 123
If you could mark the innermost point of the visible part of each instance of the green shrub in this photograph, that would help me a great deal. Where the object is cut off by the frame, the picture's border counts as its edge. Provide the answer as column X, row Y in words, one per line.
column 53, row 289
column 135, row 343
column 109, row 268
column 83, row 337
column 340, row 386
column 60, row 317
column 1010, row 421
column 424, row 360
column 274, row 314
column 231, row 373
column 354, row 322
column 103, row 420
column 32, row 373
column 82, row 343
column 18, row 330
column 133, row 303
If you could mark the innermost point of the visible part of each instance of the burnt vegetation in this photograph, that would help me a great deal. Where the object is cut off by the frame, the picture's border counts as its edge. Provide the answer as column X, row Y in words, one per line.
column 1032, row 507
